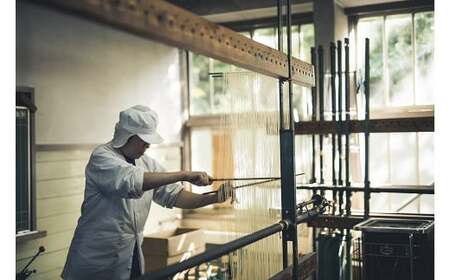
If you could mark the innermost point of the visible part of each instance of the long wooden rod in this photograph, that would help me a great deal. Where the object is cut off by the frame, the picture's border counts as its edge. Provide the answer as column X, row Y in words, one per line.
column 174, row 26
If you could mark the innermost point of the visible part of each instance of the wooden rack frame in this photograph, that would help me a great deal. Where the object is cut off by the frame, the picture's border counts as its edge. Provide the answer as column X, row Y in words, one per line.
column 174, row 26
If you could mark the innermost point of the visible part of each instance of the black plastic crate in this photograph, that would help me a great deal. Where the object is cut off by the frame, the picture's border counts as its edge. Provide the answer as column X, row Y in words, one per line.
column 397, row 249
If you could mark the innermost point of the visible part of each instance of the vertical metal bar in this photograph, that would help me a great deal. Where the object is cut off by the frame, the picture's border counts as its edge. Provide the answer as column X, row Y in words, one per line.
column 313, row 136
column 339, row 74
column 347, row 126
column 281, row 97
column 290, row 180
column 333, row 117
column 411, row 256
column 321, row 113
column 348, row 194
column 314, row 117
column 366, row 130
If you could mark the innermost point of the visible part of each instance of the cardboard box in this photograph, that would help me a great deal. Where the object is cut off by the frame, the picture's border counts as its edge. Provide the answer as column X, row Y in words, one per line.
column 172, row 246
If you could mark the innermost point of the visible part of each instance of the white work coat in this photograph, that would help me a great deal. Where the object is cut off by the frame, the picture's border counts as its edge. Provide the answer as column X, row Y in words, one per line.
column 113, row 215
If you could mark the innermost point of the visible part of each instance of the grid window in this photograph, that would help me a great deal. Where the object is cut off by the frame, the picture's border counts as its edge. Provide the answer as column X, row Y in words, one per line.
column 401, row 58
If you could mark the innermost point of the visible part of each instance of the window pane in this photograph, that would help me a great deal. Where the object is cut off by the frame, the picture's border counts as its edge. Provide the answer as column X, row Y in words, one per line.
column 372, row 28
column 306, row 41
column 302, row 101
column 200, row 97
column 379, row 152
column 426, row 158
column 424, row 56
column 266, row 36
column 22, row 170
column 400, row 60
column 403, row 158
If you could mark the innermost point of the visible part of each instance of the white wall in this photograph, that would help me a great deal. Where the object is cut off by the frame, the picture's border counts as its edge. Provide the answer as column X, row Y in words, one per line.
column 84, row 73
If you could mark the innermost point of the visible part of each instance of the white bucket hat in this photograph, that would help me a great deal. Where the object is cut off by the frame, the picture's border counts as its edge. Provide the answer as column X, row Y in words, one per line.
column 138, row 120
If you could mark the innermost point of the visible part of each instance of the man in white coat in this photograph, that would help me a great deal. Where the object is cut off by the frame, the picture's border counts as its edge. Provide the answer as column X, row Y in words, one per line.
column 121, row 183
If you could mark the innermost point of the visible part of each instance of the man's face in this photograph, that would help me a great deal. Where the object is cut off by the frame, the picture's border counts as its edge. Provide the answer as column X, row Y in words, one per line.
column 138, row 146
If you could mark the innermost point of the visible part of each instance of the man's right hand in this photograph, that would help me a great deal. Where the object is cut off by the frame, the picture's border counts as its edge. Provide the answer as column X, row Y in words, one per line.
column 198, row 178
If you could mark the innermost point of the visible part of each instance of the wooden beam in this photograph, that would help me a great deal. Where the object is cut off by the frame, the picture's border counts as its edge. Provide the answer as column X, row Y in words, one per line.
column 169, row 24
column 415, row 124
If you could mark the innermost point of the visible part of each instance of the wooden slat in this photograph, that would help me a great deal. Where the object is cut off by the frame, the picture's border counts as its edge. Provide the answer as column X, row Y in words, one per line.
column 62, row 155
column 60, row 170
column 58, row 223
column 52, row 243
column 60, row 187
column 59, row 205
column 419, row 124
column 46, row 261
column 169, row 24
column 54, row 274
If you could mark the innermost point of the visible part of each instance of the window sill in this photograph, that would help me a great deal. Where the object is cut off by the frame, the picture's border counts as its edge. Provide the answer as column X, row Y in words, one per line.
column 23, row 237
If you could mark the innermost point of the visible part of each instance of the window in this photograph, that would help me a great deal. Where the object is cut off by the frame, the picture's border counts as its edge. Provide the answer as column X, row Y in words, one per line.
column 25, row 173
column 402, row 58
column 401, row 72
column 207, row 96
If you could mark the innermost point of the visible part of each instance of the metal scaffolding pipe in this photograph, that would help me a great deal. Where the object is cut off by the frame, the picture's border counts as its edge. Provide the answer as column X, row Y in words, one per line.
column 215, row 253
column 420, row 189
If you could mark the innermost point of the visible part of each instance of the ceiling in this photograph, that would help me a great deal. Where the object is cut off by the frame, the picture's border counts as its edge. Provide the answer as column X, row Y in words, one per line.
column 212, row 7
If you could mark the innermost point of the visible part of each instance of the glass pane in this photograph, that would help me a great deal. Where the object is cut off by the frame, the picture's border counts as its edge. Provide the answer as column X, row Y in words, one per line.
column 379, row 153
column 302, row 101
column 372, row 28
column 246, row 34
column 200, row 97
column 403, row 158
column 400, row 59
column 426, row 158
column 306, row 41
column 22, row 170
column 266, row 36
column 394, row 203
column 208, row 94
column 426, row 204
column 424, row 56
column 201, row 153
column 295, row 40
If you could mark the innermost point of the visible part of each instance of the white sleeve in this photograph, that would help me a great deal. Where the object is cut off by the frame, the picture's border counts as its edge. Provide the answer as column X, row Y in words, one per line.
column 114, row 176
column 166, row 195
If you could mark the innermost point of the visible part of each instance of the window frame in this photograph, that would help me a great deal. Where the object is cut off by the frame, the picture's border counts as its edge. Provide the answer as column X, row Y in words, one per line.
column 394, row 111
column 353, row 25
column 25, row 97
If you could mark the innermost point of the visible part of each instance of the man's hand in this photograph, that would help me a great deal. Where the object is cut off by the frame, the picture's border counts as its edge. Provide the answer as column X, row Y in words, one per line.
column 225, row 192
column 199, row 178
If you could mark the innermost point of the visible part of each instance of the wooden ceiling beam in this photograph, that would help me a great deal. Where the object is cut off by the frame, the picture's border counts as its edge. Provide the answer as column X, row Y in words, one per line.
column 161, row 21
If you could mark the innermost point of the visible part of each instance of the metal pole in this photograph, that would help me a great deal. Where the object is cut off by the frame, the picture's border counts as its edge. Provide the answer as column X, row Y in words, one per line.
column 348, row 194
column 339, row 125
column 321, row 111
column 281, row 101
column 291, row 157
column 366, row 132
column 215, row 253
column 347, row 126
column 314, row 116
column 287, row 149
column 411, row 256
column 333, row 117
column 419, row 189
